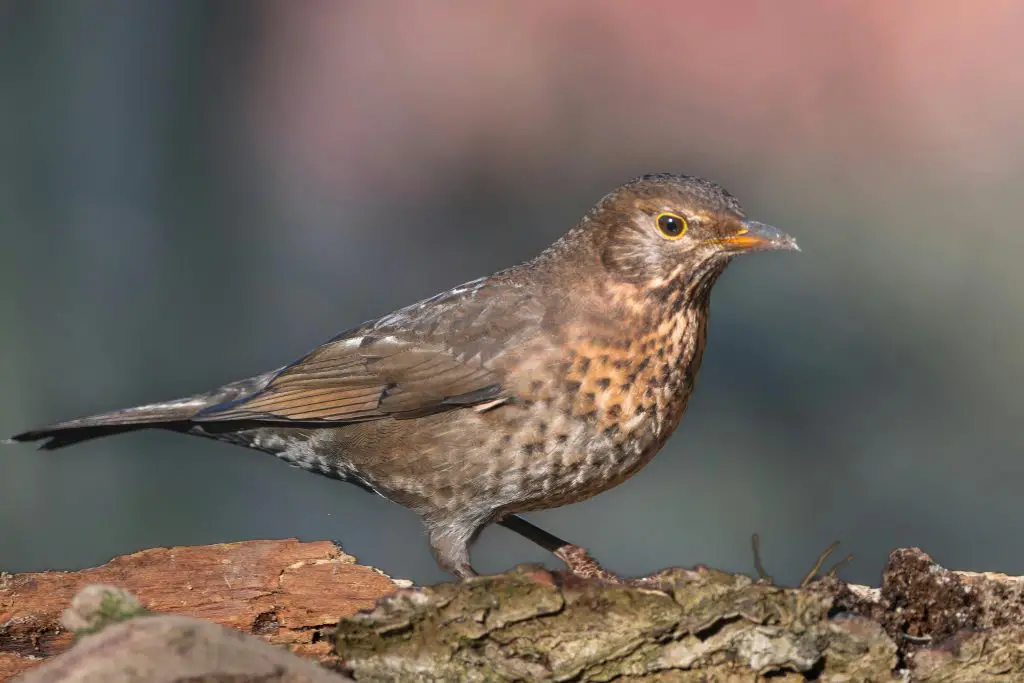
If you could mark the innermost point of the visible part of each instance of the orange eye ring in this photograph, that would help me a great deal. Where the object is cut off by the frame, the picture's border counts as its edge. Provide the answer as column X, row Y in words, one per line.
column 671, row 226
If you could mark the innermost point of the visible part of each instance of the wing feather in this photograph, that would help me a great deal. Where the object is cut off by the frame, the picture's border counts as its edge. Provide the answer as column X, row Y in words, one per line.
column 347, row 383
column 444, row 353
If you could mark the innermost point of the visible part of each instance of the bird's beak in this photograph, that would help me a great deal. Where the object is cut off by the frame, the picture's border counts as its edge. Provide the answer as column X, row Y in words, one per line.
column 754, row 236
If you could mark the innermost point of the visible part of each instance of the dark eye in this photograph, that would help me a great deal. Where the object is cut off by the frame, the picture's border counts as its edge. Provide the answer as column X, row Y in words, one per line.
column 672, row 226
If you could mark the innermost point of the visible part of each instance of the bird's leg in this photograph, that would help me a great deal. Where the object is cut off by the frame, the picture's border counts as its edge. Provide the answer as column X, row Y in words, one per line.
column 450, row 543
column 577, row 559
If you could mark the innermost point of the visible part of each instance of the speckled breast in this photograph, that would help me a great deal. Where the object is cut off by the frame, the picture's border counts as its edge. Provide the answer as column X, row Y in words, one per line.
column 619, row 401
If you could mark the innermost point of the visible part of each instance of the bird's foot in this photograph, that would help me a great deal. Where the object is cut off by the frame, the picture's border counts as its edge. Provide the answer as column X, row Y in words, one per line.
column 577, row 559
column 582, row 564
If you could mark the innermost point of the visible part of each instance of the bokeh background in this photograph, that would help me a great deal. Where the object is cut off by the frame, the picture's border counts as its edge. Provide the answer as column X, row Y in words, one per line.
column 194, row 192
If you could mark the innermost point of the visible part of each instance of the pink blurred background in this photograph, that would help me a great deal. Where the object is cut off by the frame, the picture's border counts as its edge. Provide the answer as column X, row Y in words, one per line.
column 345, row 91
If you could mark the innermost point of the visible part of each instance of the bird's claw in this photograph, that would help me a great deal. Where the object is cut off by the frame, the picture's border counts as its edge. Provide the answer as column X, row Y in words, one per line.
column 583, row 565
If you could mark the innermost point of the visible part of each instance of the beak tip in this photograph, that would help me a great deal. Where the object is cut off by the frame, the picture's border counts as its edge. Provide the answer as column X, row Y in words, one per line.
column 767, row 237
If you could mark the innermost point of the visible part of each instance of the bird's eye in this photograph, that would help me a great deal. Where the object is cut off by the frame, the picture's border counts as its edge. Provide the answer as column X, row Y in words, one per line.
column 672, row 226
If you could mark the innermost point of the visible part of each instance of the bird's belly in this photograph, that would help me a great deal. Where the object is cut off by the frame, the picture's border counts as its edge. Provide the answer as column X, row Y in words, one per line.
column 573, row 476
column 508, row 460
column 582, row 467
column 614, row 428
column 547, row 458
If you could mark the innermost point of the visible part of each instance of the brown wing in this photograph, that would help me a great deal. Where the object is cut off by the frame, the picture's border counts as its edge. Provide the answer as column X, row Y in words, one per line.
column 453, row 349
column 364, row 377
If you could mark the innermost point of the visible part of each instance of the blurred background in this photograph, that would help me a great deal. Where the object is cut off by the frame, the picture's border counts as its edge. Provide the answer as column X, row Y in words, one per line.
column 195, row 192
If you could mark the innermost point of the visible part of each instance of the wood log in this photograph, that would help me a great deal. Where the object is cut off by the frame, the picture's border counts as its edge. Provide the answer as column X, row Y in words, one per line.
column 285, row 591
column 924, row 623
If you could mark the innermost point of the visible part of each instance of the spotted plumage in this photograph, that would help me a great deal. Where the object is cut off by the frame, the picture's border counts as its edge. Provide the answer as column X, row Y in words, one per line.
column 538, row 386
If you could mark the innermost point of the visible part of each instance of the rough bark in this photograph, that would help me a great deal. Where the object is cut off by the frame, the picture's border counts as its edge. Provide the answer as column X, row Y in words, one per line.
column 284, row 591
column 924, row 623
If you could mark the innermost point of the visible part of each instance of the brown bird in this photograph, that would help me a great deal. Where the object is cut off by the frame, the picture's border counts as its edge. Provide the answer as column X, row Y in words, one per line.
column 541, row 385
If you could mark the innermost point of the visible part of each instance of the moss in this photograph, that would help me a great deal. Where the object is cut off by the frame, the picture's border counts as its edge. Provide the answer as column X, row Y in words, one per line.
column 97, row 606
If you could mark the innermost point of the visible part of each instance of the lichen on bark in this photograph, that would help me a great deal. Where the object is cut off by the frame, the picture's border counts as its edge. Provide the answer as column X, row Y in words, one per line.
column 529, row 624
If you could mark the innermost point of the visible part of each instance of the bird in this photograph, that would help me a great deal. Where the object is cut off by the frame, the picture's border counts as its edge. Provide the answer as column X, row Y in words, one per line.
column 538, row 386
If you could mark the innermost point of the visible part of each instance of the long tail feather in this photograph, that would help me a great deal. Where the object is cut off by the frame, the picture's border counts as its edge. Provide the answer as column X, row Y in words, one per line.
column 168, row 415
column 115, row 422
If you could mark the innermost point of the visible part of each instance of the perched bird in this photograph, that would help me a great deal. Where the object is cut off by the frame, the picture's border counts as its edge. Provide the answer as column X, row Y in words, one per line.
column 541, row 385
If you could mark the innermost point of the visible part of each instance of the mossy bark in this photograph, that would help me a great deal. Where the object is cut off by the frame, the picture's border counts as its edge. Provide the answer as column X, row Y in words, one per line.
column 924, row 624
column 684, row 625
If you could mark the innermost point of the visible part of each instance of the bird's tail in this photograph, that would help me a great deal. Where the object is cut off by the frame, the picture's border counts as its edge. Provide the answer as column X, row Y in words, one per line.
column 167, row 415
column 81, row 429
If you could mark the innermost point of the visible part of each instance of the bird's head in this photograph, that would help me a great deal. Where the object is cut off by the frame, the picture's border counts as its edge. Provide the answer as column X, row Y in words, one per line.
column 662, row 229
